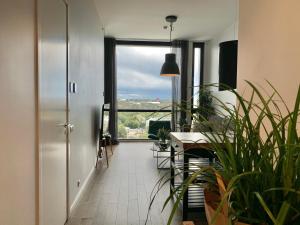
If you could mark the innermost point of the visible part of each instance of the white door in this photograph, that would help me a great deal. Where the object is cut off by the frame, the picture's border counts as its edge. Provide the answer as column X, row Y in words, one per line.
column 52, row 61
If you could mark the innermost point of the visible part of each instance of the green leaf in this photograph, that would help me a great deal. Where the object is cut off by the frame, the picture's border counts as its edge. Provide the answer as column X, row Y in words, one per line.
column 281, row 217
column 266, row 208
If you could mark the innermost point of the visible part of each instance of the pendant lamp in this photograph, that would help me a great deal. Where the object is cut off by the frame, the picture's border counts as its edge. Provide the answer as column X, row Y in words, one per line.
column 170, row 67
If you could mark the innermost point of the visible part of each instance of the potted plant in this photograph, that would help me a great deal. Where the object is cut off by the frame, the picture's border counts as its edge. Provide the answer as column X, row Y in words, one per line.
column 203, row 112
column 257, row 171
column 259, row 166
column 184, row 125
column 163, row 135
column 205, row 107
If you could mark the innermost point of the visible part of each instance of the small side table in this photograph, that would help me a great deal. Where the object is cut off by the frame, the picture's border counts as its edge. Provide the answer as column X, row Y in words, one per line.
column 163, row 152
column 194, row 147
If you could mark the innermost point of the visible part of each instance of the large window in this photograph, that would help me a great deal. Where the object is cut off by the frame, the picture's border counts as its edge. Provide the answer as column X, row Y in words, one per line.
column 143, row 95
column 198, row 61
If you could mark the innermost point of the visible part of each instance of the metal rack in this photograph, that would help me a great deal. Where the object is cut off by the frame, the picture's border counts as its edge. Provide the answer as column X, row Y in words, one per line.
column 192, row 158
column 162, row 155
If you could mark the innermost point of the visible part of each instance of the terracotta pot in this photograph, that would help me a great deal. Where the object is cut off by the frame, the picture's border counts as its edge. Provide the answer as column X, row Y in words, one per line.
column 211, row 202
column 240, row 223
column 222, row 191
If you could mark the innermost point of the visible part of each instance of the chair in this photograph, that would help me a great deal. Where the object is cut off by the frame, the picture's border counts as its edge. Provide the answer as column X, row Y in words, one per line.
column 155, row 125
column 104, row 135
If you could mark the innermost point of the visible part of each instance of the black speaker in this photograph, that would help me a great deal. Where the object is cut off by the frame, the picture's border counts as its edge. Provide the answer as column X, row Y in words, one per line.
column 228, row 65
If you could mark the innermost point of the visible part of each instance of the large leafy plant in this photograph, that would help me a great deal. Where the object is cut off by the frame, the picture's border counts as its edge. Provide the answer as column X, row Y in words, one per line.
column 258, row 158
column 262, row 164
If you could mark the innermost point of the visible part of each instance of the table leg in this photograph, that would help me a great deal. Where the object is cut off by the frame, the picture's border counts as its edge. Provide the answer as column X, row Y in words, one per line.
column 111, row 146
column 157, row 160
column 105, row 148
column 185, row 203
column 172, row 160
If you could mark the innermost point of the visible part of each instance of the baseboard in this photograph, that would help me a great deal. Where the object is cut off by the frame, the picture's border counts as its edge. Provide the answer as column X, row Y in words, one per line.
column 82, row 189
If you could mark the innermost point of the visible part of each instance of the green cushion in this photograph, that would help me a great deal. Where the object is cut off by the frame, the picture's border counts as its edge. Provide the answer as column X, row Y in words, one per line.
column 153, row 137
column 154, row 126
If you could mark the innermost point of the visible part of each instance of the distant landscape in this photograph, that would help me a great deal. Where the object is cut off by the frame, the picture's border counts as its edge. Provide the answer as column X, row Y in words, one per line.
column 134, row 125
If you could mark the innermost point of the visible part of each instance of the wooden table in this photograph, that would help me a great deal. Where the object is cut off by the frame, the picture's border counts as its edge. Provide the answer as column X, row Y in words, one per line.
column 192, row 145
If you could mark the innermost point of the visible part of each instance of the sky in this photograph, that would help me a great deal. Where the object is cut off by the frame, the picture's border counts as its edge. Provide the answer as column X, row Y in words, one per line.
column 138, row 73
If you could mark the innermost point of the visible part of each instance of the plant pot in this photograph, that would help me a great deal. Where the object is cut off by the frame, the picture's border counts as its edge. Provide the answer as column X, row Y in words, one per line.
column 240, row 223
column 186, row 128
column 211, row 201
column 222, row 191
column 163, row 146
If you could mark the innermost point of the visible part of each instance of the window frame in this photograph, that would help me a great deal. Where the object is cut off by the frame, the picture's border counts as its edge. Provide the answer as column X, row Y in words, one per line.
column 143, row 43
column 149, row 44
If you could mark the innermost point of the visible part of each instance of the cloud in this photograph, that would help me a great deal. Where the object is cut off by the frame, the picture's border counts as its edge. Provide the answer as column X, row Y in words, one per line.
column 138, row 72
column 144, row 59
column 133, row 79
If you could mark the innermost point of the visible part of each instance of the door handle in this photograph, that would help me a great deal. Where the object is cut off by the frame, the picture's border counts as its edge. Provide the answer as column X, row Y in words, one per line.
column 65, row 125
column 69, row 127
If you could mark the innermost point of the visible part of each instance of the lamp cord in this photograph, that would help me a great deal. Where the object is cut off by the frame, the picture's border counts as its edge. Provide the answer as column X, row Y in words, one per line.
column 171, row 29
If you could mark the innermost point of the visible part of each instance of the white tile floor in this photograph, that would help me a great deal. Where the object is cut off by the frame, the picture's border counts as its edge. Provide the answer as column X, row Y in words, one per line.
column 119, row 195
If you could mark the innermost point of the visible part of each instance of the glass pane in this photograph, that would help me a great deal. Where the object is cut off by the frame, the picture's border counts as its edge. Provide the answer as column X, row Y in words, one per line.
column 197, row 69
column 106, row 118
column 139, row 84
column 134, row 125
column 106, row 122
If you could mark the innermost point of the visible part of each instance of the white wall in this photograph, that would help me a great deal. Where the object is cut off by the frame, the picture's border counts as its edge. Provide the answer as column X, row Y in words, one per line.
column 211, row 63
column 18, row 143
column 17, row 113
column 87, row 70
column 269, row 35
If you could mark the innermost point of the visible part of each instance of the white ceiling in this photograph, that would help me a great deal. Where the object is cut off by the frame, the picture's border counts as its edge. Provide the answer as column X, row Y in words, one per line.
column 144, row 19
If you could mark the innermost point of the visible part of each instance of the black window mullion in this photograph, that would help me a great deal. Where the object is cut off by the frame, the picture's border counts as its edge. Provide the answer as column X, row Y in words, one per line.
column 142, row 110
column 144, row 43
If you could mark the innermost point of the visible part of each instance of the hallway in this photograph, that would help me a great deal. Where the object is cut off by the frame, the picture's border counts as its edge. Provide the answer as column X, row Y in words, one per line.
column 119, row 195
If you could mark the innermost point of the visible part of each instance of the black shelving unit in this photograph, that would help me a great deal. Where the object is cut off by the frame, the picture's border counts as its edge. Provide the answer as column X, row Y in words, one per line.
column 190, row 161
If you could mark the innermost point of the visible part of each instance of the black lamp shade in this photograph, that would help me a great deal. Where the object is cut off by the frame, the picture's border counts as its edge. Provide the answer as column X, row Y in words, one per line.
column 228, row 65
column 170, row 67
